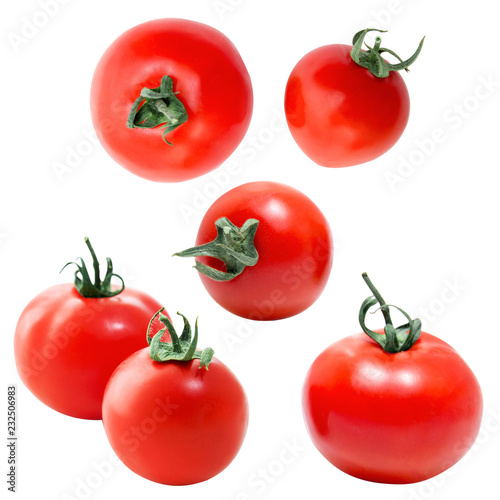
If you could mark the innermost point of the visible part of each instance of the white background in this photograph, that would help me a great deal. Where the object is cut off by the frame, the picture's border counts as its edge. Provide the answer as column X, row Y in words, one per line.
column 431, row 236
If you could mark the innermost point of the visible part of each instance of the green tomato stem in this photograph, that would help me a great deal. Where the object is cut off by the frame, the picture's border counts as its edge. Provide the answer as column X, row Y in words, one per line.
column 181, row 348
column 372, row 59
column 97, row 289
column 383, row 306
column 158, row 106
column 394, row 339
column 233, row 245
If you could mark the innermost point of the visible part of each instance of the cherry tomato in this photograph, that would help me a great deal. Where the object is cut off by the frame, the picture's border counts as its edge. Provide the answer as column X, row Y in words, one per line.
column 392, row 417
column 67, row 345
column 339, row 112
column 173, row 419
column 286, row 268
column 205, row 109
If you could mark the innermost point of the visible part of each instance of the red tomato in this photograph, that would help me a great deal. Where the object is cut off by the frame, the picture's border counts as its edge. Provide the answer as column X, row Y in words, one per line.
column 391, row 417
column 339, row 113
column 174, row 422
column 66, row 346
column 210, row 80
column 294, row 246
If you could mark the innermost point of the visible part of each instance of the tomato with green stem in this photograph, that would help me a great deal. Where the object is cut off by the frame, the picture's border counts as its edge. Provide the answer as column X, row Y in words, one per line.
column 174, row 414
column 71, row 337
column 345, row 106
column 171, row 99
column 264, row 251
column 396, row 405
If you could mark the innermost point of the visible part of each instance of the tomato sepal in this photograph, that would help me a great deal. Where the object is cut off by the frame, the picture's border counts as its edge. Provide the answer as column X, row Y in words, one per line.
column 372, row 59
column 97, row 289
column 397, row 339
column 161, row 107
column 233, row 245
column 181, row 348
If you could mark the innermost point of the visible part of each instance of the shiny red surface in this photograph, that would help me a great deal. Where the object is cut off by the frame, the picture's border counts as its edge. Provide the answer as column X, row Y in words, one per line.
column 295, row 249
column 339, row 113
column 173, row 422
column 66, row 346
column 392, row 418
column 213, row 84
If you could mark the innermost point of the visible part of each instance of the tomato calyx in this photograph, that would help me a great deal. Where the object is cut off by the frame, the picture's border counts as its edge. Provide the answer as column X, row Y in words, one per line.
column 181, row 348
column 233, row 245
column 372, row 59
column 98, row 289
column 397, row 339
column 161, row 107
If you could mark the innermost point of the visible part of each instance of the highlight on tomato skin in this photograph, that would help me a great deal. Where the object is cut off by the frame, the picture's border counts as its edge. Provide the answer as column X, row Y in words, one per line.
column 171, row 99
column 173, row 414
column 391, row 415
column 345, row 106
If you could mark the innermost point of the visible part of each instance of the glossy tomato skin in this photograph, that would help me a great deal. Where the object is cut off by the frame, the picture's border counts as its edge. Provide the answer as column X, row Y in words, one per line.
column 339, row 113
column 67, row 346
column 295, row 249
column 392, row 418
column 213, row 84
column 174, row 423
